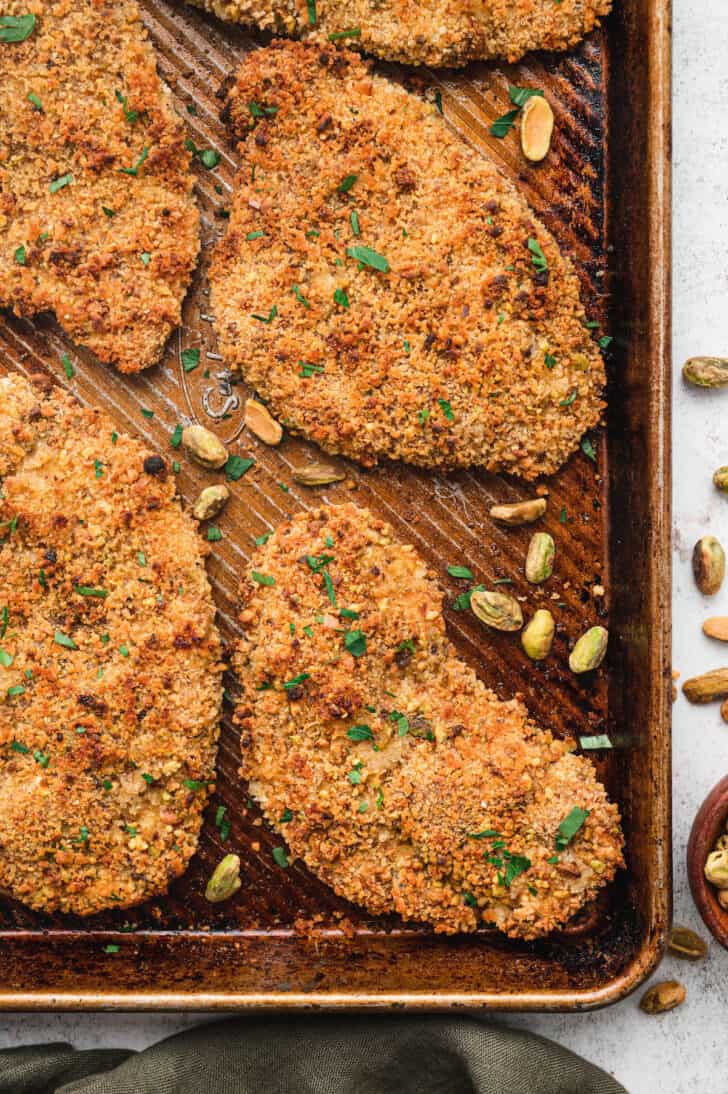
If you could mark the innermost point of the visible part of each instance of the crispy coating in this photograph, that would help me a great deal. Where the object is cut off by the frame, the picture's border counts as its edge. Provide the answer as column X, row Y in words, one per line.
column 110, row 672
column 426, row 32
column 465, row 350
column 401, row 780
column 111, row 253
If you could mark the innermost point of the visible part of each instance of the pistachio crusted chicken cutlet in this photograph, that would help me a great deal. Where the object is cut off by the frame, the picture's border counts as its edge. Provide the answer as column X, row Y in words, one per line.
column 405, row 784
column 98, row 222
column 431, row 32
column 110, row 662
column 386, row 288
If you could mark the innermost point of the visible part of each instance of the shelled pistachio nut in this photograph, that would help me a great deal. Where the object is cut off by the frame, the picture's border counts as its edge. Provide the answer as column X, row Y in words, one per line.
column 519, row 512
column 225, row 880
column 538, row 636
column 204, row 447
column 260, row 421
column 720, row 479
column 708, row 565
column 212, row 500
column 589, row 651
column 706, row 371
column 707, row 687
column 540, row 558
column 318, row 474
column 716, row 869
column 497, row 610
column 663, row 997
column 537, row 126
column 686, row 944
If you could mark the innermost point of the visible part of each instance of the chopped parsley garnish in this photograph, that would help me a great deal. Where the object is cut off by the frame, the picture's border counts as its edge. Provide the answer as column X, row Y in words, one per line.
column 307, row 370
column 354, row 221
column 587, row 447
column 16, row 28
column 266, row 318
column 260, row 540
column 601, row 740
column 259, row 111
column 286, row 817
column 401, row 721
column 549, row 360
column 569, row 398
column 4, row 619
column 470, row 900
column 18, row 689
column 346, row 184
column 98, row 469
column 296, row 290
column 280, row 857
column 356, row 643
column 537, row 256
column 194, row 784
column 112, row 948
column 520, row 95
column 130, row 115
column 254, row 235
column 62, row 639
column 311, row 8
column 141, row 558
column 222, row 825
column 605, row 341
column 190, row 359
column 209, row 158
column 148, row 414
column 363, row 806
column 135, row 169
column 60, row 182
column 6, row 659
column 487, row 833
column 516, row 865
column 438, row 101
column 68, row 367
column 41, row 758
column 354, row 775
column 446, row 409
column 423, row 415
column 83, row 835
column 214, row 535
column 569, row 826
column 341, row 297
column 262, row 579
column 368, row 257
column 236, row 467
column 148, row 779
column 352, row 32
column 461, row 603
column 90, row 590
column 360, row 733
column 124, row 651
column 347, row 613
column 108, row 212
column 460, row 571
column 20, row 256
column 146, row 258
column 563, row 517
column 296, row 680
column 502, row 126
column 176, row 439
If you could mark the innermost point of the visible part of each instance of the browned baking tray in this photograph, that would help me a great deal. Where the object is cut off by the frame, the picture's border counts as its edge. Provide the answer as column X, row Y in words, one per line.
column 286, row 939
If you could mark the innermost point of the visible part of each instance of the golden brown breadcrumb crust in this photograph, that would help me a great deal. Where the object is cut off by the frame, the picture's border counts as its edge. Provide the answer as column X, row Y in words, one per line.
column 110, row 252
column 468, row 348
column 386, row 765
column 426, row 32
column 110, row 671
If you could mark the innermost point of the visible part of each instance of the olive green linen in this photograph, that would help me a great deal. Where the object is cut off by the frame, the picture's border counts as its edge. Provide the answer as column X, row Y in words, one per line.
column 300, row 1054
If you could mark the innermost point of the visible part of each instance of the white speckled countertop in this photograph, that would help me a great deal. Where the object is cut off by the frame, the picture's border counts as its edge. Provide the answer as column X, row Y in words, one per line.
column 685, row 1052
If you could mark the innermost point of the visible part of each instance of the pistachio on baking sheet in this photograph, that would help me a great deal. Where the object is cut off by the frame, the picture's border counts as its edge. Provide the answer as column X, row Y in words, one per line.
column 663, row 997
column 204, row 447
column 225, row 880
column 519, row 512
column 708, row 565
column 716, row 868
column 537, row 125
column 706, row 371
column 686, row 944
column 211, row 501
column 707, row 687
column 716, row 627
column 720, row 479
column 318, row 474
column 589, row 651
column 497, row 610
column 538, row 636
column 260, row 421
column 540, row 557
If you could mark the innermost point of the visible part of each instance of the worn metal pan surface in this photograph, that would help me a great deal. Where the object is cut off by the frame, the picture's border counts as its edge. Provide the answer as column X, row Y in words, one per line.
column 286, row 939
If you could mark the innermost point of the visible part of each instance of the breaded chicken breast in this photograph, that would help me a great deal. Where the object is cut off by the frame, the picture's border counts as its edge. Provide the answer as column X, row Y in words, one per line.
column 385, row 763
column 97, row 218
column 426, row 32
column 385, row 287
column 110, row 670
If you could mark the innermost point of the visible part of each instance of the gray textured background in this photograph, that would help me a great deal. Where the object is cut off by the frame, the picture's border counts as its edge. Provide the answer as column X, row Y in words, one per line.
column 684, row 1052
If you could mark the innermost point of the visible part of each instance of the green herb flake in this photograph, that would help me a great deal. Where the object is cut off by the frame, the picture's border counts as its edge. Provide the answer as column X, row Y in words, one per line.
column 91, row 590
column 605, row 341
column 16, row 28
column 346, row 184
column 517, row 865
column 254, row 235
column 360, row 733
column 176, row 438
column 502, row 126
column 354, row 221
column 438, row 101
column 59, row 183
column 20, row 256
column 368, row 257
column 587, row 447
column 266, row 318
column 124, row 650
column 286, row 817
column 446, row 409
column 569, row 826
column 6, row 659
column 352, row 32
column 570, row 398
column 108, row 212
column 470, row 900
column 296, row 290
column 461, row 603
column 261, row 540
column 601, row 740
column 296, row 680
column 460, row 571
column 214, row 535
column 487, row 833
column 280, row 857
column 549, row 360
column 341, row 298
column 146, row 258
column 135, row 169
column 537, row 256
column 62, row 639
column 354, row 775
column 262, row 579
column 112, row 948
column 209, row 158
column 148, row 414
column 311, row 10
column 520, row 95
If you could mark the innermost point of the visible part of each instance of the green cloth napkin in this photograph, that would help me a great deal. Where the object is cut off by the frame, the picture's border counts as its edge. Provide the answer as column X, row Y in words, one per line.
column 332, row 1054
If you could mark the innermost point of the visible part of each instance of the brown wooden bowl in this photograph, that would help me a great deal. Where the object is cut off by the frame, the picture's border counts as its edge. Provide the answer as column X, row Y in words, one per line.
column 708, row 824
